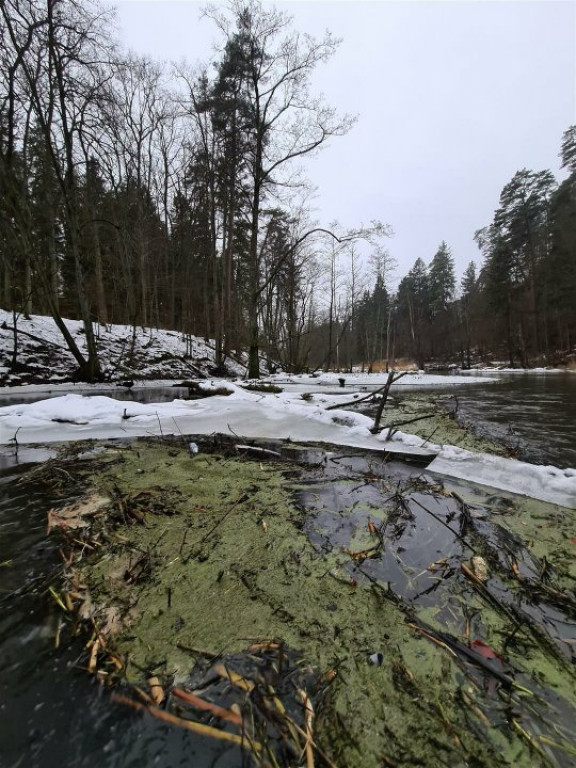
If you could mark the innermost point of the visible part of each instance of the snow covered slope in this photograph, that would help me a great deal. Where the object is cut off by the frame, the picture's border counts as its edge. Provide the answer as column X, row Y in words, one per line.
column 150, row 354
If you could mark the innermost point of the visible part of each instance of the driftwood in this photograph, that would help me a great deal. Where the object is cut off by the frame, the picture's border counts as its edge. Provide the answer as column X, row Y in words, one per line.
column 393, row 377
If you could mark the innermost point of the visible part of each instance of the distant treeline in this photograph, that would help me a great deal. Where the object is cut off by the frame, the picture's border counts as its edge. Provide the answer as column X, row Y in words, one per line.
column 518, row 305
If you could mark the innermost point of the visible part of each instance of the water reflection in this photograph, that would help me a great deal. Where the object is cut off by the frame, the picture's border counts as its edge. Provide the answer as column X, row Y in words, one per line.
column 159, row 394
column 534, row 412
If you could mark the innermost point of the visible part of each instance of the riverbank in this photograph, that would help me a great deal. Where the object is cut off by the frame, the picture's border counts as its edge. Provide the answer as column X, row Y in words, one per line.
column 33, row 352
column 317, row 415
column 414, row 616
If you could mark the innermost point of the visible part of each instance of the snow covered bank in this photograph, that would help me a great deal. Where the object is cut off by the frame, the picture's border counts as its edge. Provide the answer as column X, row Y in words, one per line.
column 368, row 381
column 279, row 416
column 147, row 353
column 249, row 414
column 537, row 482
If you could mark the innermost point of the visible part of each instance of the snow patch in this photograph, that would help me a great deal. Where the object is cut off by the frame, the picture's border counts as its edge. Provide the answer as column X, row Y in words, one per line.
column 277, row 416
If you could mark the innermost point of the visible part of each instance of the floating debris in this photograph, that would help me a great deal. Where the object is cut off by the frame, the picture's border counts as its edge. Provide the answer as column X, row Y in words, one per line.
column 78, row 514
column 479, row 567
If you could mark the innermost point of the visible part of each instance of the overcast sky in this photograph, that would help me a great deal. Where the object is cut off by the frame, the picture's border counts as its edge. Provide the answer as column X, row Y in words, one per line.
column 452, row 97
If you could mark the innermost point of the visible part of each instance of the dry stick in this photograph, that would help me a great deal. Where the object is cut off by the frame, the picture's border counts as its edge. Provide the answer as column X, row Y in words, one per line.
column 519, row 619
column 208, row 706
column 392, row 378
column 308, row 717
column 483, row 589
column 234, row 678
column 435, row 640
column 531, row 741
column 444, row 523
column 456, row 647
column 318, row 749
column 355, row 402
column 190, row 725
column 384, row 389
column 197, row 651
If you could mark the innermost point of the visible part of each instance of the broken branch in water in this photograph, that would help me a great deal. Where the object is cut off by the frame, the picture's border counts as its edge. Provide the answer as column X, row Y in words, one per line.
column 258, row 451
column 308, row 718
column 393, row 377
column 207, row 706
column 197, row 651
column 234, row 678
column 198, row 728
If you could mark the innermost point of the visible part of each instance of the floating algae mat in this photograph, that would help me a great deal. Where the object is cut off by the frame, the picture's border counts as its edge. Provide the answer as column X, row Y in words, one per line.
column 300, row 606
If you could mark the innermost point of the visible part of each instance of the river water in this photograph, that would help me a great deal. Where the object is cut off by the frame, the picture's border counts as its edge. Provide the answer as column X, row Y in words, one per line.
column 533, row 412
column 54, row 715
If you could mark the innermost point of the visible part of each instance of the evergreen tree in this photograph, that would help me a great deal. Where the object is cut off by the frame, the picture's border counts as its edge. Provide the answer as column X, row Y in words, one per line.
column 469, row 287
column 414, row 308
column 441, row 279
column 568, row 151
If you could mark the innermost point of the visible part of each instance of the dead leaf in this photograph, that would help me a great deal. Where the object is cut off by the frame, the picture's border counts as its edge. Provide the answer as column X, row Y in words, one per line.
column 484, row 650
column 74, row 516
column 110, row 621
column 479, row 568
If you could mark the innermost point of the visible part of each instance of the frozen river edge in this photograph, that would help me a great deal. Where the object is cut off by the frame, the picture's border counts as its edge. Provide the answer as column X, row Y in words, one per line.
column 298, row 413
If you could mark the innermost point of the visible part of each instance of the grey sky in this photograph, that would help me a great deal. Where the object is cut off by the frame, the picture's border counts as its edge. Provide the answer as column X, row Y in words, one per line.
column 453, row 97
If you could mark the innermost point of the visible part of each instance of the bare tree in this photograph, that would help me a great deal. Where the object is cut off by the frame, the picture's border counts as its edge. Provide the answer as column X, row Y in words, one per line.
column 60, row 47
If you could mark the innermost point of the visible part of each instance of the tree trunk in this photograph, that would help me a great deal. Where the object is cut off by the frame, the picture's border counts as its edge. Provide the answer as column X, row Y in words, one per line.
column 254, row 294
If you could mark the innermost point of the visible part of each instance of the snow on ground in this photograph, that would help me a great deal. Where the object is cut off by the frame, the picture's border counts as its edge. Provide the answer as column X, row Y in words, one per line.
column 150, row 353
column 504, row 369
column 156, row 357
column 369, row 381
column 277, row 416
column 537, row 482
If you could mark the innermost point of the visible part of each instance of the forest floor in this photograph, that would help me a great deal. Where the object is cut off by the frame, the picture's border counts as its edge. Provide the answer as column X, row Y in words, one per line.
column 304, row 605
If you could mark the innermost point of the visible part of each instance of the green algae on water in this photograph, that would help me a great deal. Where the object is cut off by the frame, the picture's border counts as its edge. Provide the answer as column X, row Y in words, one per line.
column 211, row 553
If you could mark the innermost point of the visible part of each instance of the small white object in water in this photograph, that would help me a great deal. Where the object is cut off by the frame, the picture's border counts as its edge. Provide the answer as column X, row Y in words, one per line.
column 479, row 568
column 193, row 449
column 376, row 659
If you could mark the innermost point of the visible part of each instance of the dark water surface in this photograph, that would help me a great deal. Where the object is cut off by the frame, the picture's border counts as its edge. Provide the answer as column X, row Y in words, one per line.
column 138, row 395
column 535, row 412
column 52, row 713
